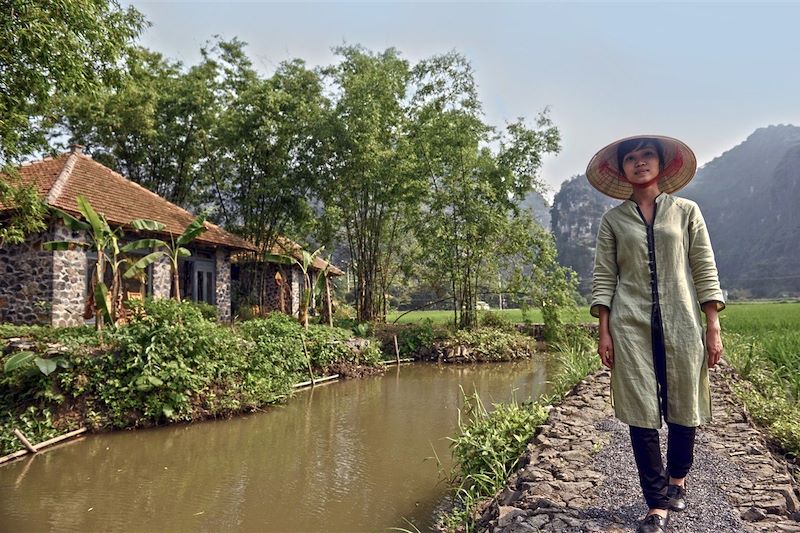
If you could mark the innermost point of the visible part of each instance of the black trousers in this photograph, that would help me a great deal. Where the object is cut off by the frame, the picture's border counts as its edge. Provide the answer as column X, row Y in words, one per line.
column 647, row 452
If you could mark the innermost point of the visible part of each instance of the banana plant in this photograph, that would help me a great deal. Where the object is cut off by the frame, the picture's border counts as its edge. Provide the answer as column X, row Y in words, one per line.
column 173, row 250
column 103, row 240
column 303, row 264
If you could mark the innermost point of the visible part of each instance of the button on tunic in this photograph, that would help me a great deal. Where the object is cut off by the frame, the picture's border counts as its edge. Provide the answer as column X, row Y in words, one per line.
column 653, row 280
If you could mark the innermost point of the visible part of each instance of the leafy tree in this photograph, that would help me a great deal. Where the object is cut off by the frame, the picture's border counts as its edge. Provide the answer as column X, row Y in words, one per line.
column 52, row 48
column 49, row 49
column 269, row 163
column 534, row 275
column 472, row 186
column 153, row 126
column 372, row 186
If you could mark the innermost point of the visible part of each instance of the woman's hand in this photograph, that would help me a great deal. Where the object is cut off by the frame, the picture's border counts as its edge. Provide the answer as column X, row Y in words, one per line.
column 713, row 345
column 605, row 349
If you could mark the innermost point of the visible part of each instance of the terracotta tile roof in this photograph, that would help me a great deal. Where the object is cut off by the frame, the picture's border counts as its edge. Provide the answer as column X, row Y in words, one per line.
column 60, row 180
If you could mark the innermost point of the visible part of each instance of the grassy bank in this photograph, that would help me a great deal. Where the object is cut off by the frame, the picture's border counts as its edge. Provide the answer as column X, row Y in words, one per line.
column 515, row 316
column 762, row 341
column 169, row 363
column 490, row 441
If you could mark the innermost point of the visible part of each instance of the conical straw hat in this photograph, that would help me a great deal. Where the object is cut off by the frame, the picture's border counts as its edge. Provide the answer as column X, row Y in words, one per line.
column 680, row 165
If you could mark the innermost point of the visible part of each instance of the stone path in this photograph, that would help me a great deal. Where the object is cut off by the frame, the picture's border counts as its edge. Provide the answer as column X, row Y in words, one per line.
column 579, row 474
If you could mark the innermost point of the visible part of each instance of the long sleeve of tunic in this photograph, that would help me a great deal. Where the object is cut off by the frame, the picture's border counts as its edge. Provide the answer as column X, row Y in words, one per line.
column 624, row 281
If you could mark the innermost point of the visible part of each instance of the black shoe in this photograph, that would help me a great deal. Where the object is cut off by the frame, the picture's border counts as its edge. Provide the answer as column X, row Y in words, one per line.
column 653, row 523
column 677, row 497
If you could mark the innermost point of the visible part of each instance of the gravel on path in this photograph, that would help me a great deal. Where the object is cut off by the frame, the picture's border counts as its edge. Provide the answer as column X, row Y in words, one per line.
column 578, row 473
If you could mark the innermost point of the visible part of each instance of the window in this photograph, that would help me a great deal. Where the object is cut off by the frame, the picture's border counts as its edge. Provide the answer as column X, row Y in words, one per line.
column 197, row 280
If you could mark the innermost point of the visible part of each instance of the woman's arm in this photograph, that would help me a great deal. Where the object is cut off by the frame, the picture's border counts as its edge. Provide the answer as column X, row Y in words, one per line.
column 604, row 285
column 702, row 263
column 706, row 283
column 604, row 278
column 713, row 333
column 605, row 346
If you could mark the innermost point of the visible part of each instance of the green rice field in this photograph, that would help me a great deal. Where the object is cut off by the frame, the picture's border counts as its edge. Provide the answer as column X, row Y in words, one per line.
column 770, row 331
column 762, row 342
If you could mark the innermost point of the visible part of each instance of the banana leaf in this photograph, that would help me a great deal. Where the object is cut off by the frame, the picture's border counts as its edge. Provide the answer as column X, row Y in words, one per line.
column 100, row 301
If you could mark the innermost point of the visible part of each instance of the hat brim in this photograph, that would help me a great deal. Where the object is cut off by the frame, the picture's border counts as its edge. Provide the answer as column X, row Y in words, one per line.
column 680, row 165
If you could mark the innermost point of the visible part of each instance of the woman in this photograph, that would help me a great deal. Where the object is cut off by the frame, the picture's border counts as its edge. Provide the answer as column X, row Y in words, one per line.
column 654, row 271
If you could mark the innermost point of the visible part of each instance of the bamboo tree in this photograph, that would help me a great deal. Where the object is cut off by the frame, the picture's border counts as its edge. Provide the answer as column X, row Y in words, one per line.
column 372, row 179
column 472, row 185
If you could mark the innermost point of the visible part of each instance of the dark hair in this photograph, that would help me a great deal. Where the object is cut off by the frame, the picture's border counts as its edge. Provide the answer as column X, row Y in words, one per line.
column 630, row 145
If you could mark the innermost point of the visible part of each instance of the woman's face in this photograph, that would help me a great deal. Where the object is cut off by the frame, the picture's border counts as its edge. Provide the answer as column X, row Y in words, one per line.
column 641, row 165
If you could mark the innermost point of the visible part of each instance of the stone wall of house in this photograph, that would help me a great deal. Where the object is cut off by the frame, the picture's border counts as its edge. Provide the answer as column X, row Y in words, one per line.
column 162, row 278
column 295, row 286
column 223, row 282
column 68, row 280
column 272, row 289
column 26, row 282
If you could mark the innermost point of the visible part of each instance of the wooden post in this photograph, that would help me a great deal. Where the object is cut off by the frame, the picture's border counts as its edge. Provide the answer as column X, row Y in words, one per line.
column 25, row 442
column 396, row 350
column 328, row 300
column 308, row 360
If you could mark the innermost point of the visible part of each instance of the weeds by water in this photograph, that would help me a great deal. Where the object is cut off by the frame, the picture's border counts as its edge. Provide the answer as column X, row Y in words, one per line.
column 490, row 443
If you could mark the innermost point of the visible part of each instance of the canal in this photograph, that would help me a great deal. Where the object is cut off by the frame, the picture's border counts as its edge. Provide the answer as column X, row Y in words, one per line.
column 355, row 455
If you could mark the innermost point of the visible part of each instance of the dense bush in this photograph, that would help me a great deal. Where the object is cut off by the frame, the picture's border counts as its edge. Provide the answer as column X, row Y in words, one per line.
column 169, row 362
column 491, row 319
column 489, row 344
column 413, row 337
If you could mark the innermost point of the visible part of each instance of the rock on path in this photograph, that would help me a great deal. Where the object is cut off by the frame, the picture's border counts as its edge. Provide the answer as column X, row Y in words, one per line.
column 579, row 473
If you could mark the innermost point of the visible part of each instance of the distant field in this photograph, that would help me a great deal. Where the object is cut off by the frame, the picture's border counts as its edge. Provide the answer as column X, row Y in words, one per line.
column 752, row 319
column 515, row 315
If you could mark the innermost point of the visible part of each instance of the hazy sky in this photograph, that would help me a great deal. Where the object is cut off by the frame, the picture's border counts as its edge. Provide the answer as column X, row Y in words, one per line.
column 708, row 73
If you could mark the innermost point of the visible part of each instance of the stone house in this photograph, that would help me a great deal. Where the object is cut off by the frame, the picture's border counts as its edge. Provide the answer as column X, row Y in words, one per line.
column 52, row 287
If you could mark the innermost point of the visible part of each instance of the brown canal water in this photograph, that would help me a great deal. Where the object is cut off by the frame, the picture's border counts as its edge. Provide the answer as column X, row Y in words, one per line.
column 349, row 456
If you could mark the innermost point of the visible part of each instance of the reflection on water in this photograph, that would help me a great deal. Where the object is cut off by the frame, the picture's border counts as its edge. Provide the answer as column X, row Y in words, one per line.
column 350, row 456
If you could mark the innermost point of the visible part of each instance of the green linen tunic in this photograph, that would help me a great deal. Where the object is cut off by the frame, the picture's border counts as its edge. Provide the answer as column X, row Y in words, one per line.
column 686, row 278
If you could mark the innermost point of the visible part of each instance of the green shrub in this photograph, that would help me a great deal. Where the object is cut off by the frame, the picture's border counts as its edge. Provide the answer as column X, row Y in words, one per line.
column 491, row 319
column 415, row 336
column 209, row 312
column 169, row 362
column 35, row 424
column 489, row 344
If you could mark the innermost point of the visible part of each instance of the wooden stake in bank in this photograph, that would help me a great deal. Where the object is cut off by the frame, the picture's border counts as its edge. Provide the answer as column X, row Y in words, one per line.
column 25, row 442
column 308, row 360
column 396, row 350
column 41, row 445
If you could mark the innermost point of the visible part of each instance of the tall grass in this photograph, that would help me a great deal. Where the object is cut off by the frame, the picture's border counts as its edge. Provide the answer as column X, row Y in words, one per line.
column 490, row 443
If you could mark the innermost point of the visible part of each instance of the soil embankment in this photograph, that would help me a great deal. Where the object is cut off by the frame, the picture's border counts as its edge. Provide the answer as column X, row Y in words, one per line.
column 578, row 473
